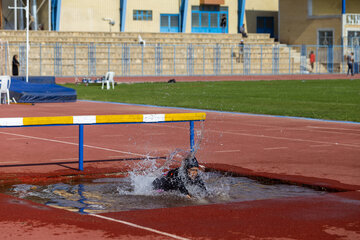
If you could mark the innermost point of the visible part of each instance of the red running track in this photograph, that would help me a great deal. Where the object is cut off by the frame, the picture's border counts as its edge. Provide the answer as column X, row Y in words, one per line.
column 319, row 153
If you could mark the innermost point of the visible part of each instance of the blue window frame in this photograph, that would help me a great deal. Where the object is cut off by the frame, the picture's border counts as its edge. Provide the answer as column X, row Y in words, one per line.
column 142, row 15
column 207, row 19
column 169, row 23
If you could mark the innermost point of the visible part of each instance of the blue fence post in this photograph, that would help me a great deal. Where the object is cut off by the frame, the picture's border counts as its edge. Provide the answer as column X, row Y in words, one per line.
column 192, row 142
column 125, row 61
column 317, row 59
column 232, row 64
column 203, row 60
column 58, row 59
column 261, row 59
column 40, row 53
column 290, row 60
column 109, row 57
column 75, row 60
column 330, row 64
column 81, row 147
column 174, row 60
column 356, row 59
column 190, row 60
column 142, row 59
column 6, row 58
column 22, row 57
column 92, row 59
column 217, row 59
column 158, row 60
column 247, row 60
column 275, row 60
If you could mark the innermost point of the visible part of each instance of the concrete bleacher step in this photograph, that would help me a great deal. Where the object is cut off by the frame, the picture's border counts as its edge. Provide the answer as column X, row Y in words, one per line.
column 74, row 48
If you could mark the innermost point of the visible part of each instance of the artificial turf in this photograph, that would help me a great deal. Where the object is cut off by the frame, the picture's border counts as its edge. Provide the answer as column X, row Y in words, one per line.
column 320, row 99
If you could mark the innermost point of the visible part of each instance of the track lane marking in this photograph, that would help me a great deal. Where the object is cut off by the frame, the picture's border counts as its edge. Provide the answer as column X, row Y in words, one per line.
column 66, row 137
column 140, row 227
column 288, row 139
column 332, row 128
column 321, row 145
column 272, row 137
column 76, row 144
column 276, row 148
column 12, row 139
column 228, row 151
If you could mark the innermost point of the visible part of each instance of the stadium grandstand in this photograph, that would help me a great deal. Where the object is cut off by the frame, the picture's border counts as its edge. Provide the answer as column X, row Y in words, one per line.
column 179, row 37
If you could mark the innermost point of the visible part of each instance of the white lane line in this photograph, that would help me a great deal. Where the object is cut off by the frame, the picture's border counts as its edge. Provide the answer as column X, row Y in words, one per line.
column 276, row 148
column 332, row 128
column 287, row 139
column 76, row 144
column 228, row 151
column 116, row 156
column 155, row 134
column 117, row 135
column 67, row 137
column 140, row 227
column 273, row 137
column 321, row 145
column 9, row 162
column 12, row 139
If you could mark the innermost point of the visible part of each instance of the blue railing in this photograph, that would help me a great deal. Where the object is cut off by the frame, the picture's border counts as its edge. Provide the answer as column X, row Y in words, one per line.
column 60, row 59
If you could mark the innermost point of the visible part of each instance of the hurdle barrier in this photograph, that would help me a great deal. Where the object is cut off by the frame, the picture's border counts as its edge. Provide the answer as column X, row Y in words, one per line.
column 101, row 120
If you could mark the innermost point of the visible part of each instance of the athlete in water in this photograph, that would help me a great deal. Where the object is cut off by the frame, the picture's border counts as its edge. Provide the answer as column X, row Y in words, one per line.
column 182, row 178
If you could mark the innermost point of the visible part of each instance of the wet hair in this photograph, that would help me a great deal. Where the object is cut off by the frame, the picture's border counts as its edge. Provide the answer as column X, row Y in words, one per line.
column 190, row 162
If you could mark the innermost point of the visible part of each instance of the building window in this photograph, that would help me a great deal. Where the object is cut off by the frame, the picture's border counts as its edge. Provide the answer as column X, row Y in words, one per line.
column 142, row 15
column 207, row 19
column 353, row 38
column 326, row 37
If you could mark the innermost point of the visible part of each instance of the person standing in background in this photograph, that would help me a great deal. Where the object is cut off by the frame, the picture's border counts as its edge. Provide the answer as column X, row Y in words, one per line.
column 350, row 62
column 223, row 23
column 312, row 60
column 15, row 66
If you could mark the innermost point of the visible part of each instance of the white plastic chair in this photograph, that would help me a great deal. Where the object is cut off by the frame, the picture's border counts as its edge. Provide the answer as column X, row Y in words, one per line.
column 109, row 77
column 4, row 90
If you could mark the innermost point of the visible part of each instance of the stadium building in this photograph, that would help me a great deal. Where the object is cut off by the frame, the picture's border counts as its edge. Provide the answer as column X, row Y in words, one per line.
column 319, row 22
column 185, row 16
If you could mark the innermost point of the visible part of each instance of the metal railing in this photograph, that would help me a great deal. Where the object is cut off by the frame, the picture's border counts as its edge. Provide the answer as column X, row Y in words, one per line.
column 92, row 59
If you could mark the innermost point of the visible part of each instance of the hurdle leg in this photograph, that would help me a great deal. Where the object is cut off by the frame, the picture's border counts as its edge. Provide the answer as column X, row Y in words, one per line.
column 192, row 136
column 81, row 147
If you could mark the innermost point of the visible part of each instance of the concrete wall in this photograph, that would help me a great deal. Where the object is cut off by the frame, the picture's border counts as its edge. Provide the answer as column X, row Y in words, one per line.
column 84, row 15
column 326, row 7
column 261, row 8
column 333, row 7
column 262, row 5
column 300, row 28
column 157, row 7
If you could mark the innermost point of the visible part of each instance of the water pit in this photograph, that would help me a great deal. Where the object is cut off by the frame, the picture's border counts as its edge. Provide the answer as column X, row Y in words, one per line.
column 135, row 192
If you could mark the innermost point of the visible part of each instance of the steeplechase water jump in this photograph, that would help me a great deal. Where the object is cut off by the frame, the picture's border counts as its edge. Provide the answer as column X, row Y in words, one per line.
column 168, row 120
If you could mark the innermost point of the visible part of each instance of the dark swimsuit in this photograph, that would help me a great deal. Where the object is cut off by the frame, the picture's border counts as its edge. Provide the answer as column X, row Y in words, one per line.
column 174, row 180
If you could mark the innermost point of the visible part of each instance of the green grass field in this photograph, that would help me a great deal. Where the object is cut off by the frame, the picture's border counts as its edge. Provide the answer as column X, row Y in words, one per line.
column 321, row 99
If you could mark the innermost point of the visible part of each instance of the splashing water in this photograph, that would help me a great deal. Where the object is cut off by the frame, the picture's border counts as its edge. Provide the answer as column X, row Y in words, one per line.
column 136, row 192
